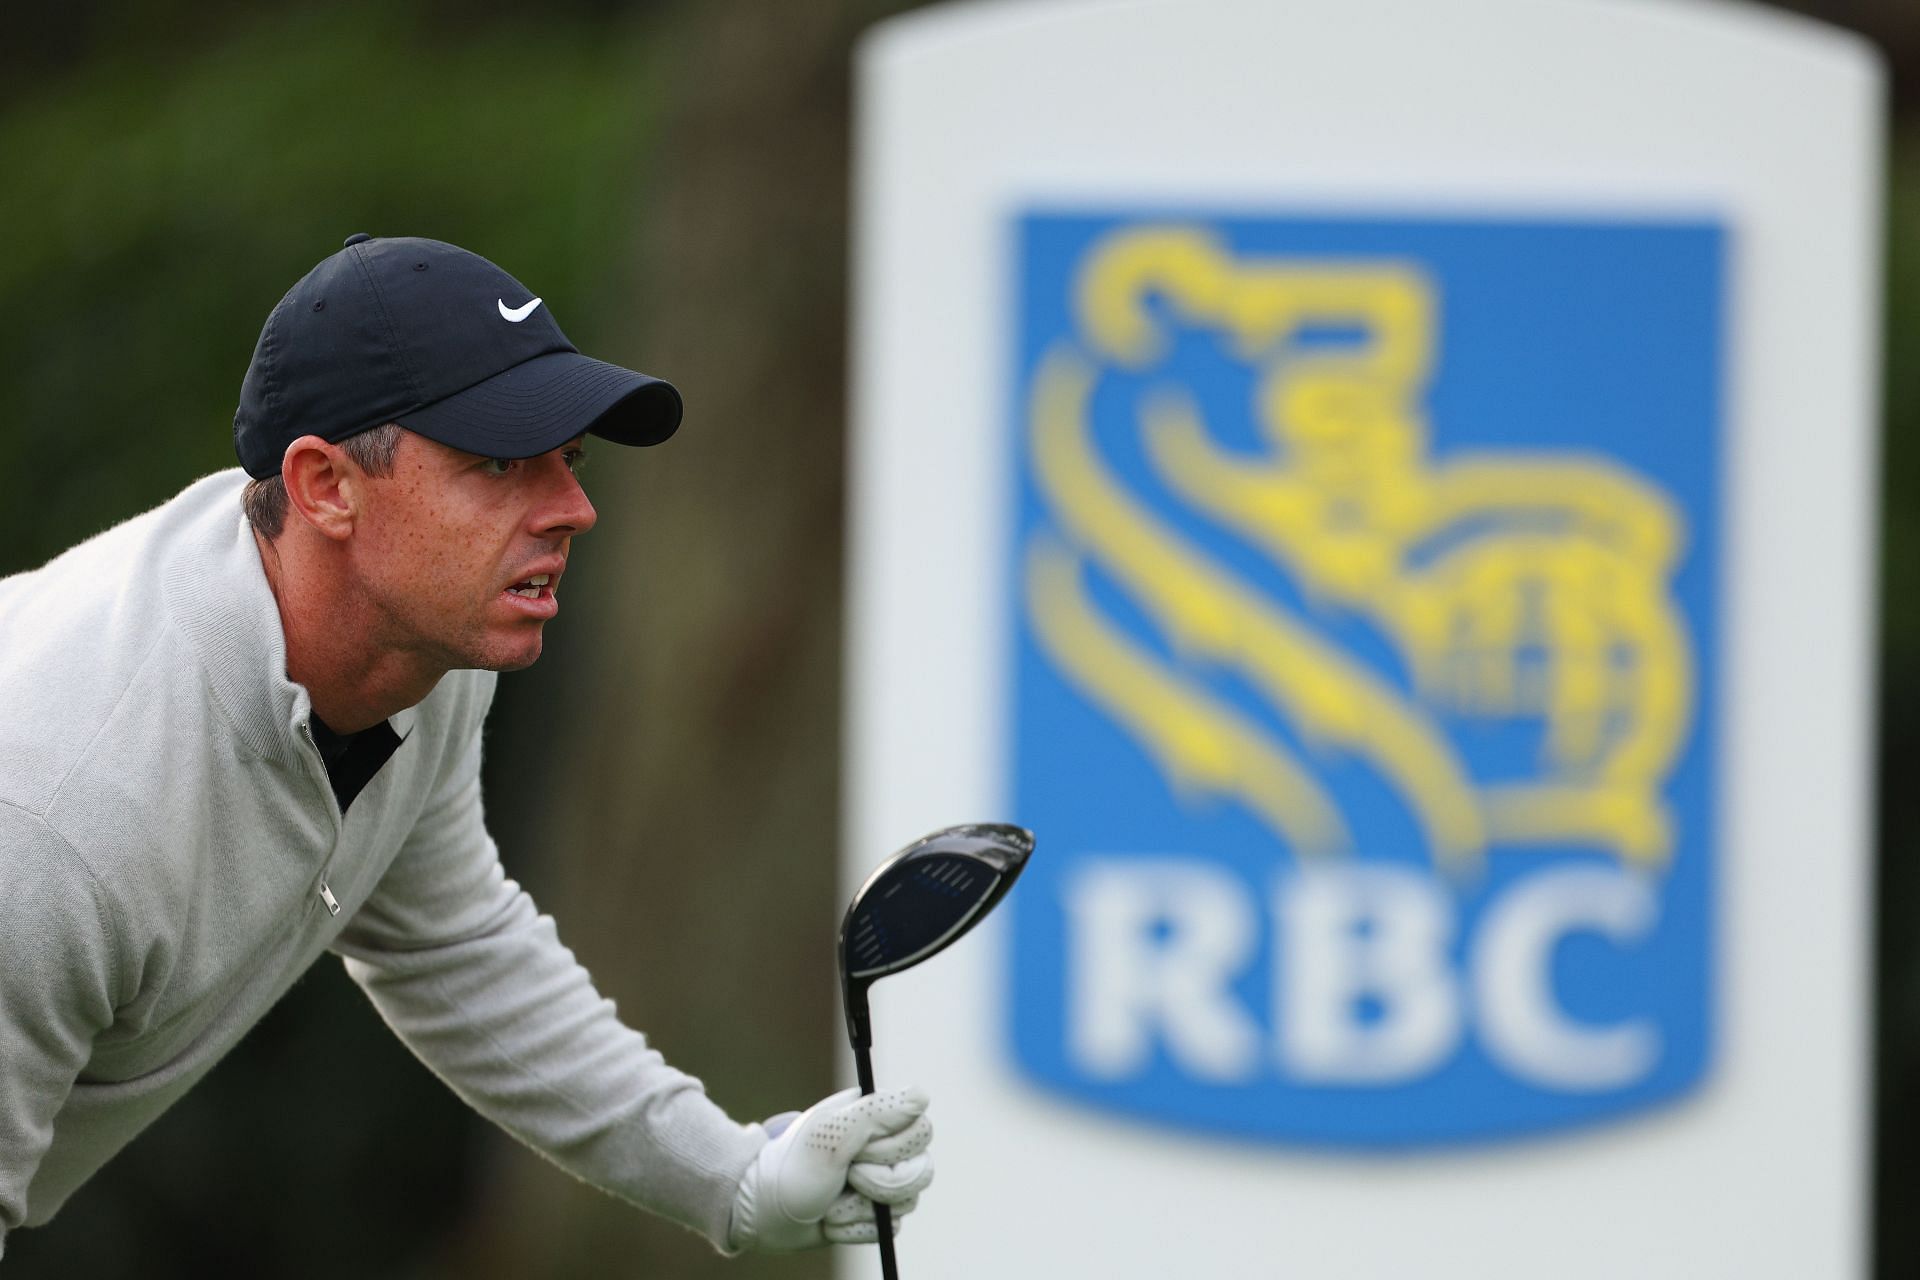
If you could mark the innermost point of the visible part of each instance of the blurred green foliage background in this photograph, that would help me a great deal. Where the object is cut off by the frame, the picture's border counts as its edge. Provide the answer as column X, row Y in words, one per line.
column 672, row 177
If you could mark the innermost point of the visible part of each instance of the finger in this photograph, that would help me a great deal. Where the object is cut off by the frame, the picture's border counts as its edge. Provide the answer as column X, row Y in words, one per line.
column 857, row 1233
column 863, row 1230
column 894, row 1148
column 847, row 1210
column 843, row 1131
column 851, row 1209
column 892, row 1183
column 880, row 1115
column 777, row 1125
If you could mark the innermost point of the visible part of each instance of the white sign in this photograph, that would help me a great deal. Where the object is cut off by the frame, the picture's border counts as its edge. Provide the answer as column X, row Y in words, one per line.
column 1383, row 488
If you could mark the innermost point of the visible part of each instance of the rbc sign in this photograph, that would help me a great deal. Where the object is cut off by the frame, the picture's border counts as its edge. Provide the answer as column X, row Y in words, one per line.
column 1366, row 592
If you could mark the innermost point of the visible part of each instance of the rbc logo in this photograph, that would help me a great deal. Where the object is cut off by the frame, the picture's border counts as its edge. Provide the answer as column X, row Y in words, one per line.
column 1365, row 597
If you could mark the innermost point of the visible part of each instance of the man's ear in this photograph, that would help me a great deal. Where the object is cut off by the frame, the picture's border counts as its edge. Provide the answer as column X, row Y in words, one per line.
column 323, row 486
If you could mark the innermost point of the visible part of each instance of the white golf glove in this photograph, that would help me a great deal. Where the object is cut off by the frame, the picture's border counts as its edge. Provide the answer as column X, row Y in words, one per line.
column 815, row 1180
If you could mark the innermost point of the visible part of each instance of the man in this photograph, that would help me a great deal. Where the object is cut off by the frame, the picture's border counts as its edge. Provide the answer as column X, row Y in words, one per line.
column 244, row 728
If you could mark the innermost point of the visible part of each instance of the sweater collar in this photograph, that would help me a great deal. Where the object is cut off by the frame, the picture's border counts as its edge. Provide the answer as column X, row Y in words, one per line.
column 217, row 591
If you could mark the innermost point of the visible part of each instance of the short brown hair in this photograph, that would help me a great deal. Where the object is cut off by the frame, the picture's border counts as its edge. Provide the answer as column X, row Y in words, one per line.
column 265, row 500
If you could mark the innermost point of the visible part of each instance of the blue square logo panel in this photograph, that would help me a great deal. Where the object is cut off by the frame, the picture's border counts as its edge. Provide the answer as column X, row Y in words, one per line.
column 1365, row 583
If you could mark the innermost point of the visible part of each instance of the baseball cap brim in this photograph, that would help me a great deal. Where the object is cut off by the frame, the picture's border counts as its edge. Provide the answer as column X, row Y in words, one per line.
column 542, row 403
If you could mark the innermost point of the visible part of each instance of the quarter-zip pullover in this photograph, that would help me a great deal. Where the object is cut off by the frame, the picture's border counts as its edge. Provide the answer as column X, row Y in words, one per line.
column 173, row 857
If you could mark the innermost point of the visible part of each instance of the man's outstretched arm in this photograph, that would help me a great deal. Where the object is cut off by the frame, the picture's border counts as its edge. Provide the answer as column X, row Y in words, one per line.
column 476, row 981
column 59, row 969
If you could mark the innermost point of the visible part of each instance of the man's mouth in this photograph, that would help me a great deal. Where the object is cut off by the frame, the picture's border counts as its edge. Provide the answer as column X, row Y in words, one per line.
column 532, row 588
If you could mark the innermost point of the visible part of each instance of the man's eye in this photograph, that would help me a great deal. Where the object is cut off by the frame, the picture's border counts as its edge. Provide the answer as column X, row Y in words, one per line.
column 575, row 459
column 497, row 466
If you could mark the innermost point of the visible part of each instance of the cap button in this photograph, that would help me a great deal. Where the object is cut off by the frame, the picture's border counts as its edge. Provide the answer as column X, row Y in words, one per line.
column 356, row 238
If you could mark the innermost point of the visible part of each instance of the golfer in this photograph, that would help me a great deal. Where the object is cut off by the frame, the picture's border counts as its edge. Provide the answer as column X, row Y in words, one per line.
column 244, row 729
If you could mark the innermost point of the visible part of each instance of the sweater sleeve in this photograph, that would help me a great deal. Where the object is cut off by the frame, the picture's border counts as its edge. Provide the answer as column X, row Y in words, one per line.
column 476, row 982
column 59, row 971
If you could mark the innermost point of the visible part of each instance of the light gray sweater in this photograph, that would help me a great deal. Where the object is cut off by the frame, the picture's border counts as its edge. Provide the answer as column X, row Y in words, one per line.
column 166, row 828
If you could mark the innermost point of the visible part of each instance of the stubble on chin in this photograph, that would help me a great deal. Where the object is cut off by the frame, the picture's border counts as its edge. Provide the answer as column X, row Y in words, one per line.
column 517, row 656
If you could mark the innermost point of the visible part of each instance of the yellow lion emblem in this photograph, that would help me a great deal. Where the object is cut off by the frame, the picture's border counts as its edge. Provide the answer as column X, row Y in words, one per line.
column 1511, row 584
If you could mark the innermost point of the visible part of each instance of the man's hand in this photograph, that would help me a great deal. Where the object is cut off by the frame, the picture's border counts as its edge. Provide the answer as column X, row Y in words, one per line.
column 815, row 1180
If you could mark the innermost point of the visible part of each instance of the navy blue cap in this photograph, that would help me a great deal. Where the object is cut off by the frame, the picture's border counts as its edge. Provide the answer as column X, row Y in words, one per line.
column 442, row 342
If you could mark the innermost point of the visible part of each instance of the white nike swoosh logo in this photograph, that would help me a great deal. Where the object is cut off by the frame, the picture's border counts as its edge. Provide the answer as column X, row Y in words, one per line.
column 516, row 314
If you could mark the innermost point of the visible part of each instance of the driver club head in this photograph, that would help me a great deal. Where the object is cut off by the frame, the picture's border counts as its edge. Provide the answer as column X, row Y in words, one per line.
column 919, row 901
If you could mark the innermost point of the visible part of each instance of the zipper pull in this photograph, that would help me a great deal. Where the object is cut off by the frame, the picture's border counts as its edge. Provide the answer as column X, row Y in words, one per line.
column 326, row 896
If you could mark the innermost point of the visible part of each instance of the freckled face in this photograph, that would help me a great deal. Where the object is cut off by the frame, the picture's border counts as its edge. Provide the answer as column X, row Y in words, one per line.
column 458, row 556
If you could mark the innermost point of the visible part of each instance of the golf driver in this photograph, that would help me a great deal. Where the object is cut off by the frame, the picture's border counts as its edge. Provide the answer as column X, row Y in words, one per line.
column 914, row 905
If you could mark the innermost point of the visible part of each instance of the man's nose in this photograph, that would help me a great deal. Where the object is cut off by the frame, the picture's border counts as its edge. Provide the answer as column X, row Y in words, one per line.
column 564, row 510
